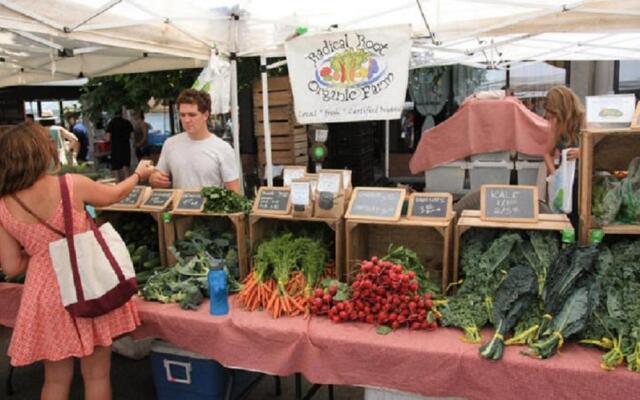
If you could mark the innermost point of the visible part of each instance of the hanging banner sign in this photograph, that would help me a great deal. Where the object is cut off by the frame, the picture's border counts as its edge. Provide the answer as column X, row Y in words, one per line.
column 358, row 75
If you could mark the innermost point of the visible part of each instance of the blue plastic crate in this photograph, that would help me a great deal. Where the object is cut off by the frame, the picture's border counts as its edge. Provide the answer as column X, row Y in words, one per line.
column 180, row 374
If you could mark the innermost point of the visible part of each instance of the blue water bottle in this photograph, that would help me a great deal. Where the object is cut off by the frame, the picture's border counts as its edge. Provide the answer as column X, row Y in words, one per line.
column 218, row 299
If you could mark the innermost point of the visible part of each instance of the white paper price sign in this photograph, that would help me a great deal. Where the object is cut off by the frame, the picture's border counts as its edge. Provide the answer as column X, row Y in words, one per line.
column 300, row 193
column 329, row 182
column 290, row 174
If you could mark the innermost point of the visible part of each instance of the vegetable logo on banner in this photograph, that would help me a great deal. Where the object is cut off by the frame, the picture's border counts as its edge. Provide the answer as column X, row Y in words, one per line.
column 349, row 76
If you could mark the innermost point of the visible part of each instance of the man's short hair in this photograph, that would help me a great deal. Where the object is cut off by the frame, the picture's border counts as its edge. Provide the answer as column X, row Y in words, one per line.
column 197, row 97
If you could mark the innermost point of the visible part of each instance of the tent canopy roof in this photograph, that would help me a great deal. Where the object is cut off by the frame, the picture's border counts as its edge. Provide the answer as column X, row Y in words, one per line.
column 173, row 34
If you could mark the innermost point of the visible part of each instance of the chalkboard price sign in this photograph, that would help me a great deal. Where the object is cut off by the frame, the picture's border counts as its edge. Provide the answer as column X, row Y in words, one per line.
column 272, row 200
column 190, row 201
column 159, row 199
column 133, row 199
column 430, row 206
column 509, row 203
column 376, row 204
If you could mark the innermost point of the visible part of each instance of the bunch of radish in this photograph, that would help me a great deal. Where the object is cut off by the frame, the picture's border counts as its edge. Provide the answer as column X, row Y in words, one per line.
column 383, row 294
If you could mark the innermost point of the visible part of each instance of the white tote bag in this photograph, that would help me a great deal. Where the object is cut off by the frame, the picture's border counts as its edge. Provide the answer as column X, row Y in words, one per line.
column 561, row 185
column 94, row 270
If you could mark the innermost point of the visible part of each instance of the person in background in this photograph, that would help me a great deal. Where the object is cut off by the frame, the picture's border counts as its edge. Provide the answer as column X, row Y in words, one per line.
column 44, row 330
column 566, row 116
column 196, row 158
column 29, row 118
column 140, row 133
column 78, row 129
column 66, row 142
column 119, row 133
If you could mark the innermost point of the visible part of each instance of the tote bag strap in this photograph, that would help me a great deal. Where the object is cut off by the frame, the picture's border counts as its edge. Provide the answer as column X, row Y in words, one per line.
column 68, row 227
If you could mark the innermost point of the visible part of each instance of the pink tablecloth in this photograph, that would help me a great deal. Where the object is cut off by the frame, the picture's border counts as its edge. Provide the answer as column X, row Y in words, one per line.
column 482, row 126
column 428, row 363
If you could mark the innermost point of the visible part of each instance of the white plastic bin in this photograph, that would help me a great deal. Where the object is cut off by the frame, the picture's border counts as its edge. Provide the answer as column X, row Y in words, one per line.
column 528, row 172
column 528, row 157
column 496, row 156
column 446, row 178
column 489, row 173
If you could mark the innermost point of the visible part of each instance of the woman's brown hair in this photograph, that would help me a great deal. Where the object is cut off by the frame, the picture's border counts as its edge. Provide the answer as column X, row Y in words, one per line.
column 27, row 154
column 568, row 111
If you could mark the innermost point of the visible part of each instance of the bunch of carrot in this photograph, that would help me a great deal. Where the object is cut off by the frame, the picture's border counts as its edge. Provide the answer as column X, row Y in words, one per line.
column 286, row 269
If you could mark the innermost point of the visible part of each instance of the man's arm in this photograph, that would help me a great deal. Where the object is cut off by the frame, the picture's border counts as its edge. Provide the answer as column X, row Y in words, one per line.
column 233, row 185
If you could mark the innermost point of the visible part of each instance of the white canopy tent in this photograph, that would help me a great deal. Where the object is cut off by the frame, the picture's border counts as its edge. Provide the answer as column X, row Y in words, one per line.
column 444, row 31
column 493, row 33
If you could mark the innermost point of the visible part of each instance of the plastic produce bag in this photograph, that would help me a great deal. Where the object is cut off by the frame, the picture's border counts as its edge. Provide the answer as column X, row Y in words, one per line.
column 561, row 185
column 630, row 194
column 605, row 198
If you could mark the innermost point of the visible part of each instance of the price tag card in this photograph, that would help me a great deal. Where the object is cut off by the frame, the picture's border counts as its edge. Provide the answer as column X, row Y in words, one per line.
column 271, row 200
column 376, row 203
column 292, row 172
column 159, row 199
column 509, row 203
column 134, row 198
column 329, row 182
column 191, row 201
column 300, row 193
column 430, row 206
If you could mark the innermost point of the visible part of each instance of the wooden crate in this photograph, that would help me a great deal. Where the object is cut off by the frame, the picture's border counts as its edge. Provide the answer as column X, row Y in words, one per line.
column 471, row 219
column 276, row 114
column 431, row 240
column 109, row 214
column 261, row 225
column 281, row 128
column 181, row 222
column 297, row 155
column 604, row 150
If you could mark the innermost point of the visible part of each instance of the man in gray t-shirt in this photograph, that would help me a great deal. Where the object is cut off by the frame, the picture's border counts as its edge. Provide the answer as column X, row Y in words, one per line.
column 196, row 158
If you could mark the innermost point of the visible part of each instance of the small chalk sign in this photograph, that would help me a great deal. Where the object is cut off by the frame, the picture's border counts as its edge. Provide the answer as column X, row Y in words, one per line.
column 430, row 206
column 159, row 199
column 272, row 200
column 191, row 201
column 376, row 203
column 509, row 203
column 133, row 199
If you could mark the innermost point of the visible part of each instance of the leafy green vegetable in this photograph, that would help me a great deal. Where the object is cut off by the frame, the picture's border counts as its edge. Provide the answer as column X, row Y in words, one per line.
column 630, row 194
column 513, row 297
column 224, row 201
column 615, row 325
column 573, row 317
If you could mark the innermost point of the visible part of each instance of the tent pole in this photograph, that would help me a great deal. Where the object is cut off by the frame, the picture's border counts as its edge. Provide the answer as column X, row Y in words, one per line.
column 265, row 121
column 386, row 148
column 235, row 124
column 235, row 121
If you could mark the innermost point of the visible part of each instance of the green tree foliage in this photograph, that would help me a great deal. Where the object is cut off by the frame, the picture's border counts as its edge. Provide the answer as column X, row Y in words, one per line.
column 133, row 91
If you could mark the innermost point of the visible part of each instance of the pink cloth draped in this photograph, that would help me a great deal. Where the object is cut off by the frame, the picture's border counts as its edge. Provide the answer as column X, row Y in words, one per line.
column 434, row 363
column 482, row 126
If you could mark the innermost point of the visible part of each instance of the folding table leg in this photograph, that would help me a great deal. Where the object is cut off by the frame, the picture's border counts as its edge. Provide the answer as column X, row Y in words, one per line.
column 8, row 386
column 229, row 390
column 278, row 385
column 330, row 387
column 298, row 380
